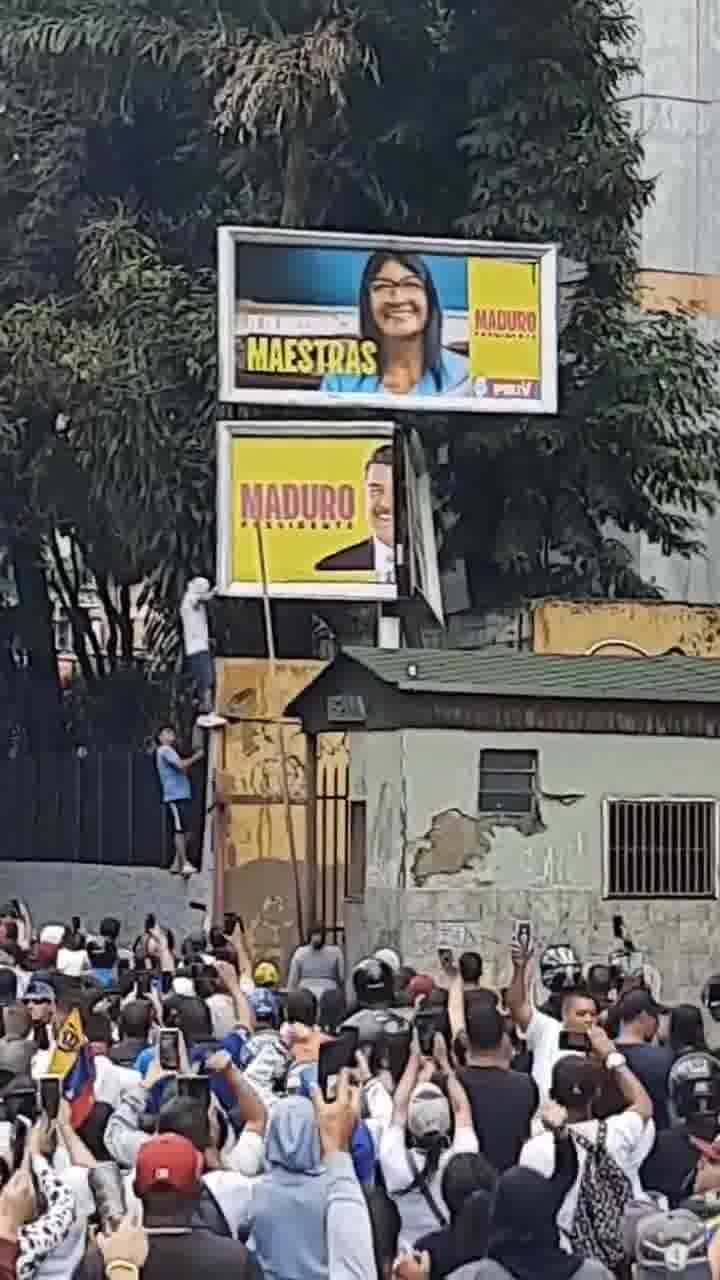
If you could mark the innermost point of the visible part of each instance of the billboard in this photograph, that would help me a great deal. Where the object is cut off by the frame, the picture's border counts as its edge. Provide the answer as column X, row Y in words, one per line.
column 308, row 510
column 328, row 319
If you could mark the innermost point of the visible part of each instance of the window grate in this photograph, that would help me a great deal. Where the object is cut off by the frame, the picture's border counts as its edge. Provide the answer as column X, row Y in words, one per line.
column 508, row 782
column 661, row 848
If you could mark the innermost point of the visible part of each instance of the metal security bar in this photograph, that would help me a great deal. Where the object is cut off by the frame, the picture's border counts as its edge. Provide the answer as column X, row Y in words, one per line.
column 507, row 782
column 661, row 848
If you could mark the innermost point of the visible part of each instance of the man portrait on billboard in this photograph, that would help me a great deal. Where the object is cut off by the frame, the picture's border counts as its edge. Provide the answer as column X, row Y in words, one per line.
column 400, row 312
column 378, row 551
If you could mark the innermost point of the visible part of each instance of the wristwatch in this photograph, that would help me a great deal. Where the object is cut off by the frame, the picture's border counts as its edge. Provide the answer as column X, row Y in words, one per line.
column 615, row 1060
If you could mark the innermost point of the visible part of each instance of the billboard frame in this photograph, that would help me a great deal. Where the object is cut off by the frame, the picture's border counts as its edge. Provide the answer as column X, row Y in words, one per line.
column 227, row 587
column 545, row 254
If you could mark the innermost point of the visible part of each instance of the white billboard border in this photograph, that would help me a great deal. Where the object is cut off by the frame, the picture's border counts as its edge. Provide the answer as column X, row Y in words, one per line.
column 545, row 254
column 227, row 587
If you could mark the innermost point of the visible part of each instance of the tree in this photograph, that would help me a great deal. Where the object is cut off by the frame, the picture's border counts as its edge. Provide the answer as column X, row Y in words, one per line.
column 553, row 157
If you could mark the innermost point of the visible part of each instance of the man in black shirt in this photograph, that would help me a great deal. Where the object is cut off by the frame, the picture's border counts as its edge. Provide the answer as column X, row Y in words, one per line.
column 503, row 1101
column 651, row 1063
column 685, row 1159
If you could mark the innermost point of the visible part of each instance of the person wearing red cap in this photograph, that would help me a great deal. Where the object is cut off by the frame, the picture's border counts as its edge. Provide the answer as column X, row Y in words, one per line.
column 167, row 1181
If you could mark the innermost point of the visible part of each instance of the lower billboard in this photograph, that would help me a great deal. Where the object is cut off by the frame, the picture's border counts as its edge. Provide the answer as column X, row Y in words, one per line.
column 305, row 513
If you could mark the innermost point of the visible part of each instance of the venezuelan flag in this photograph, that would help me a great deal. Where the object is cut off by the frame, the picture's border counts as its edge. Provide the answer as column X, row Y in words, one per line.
column 72, row 1060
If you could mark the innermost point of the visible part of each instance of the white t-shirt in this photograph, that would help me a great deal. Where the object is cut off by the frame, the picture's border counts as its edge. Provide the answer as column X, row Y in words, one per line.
column 542, row 1037
column 417, row 1218
column 629, row 1140
column 194, row 619
column 112, row 1081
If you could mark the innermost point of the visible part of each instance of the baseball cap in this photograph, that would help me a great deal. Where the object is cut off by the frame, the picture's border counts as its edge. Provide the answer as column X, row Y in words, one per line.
column 167, row 1162
column 671, row 1244
column 8, row 986
column 263, row 1004
column 52, row 934
column 39, row 991
column 637, row 1002
column 266, row 974
column 428, row 1112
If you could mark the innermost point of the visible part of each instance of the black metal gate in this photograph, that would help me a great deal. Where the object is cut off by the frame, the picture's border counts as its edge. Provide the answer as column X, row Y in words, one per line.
column 332, row 844
column 98, row 807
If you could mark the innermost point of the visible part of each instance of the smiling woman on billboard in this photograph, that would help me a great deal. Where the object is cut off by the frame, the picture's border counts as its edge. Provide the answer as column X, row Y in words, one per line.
column 400, row 312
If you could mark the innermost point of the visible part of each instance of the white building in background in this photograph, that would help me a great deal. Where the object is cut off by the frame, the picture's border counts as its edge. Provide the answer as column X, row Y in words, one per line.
column 676, row 104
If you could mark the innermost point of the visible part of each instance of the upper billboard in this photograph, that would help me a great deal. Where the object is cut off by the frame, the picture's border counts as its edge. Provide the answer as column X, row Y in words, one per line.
column 327, row 319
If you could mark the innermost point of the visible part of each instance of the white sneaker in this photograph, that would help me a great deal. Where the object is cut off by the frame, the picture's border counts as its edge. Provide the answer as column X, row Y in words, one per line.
column 211, row 721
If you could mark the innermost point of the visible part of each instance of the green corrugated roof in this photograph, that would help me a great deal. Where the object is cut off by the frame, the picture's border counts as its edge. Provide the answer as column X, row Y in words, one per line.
column 534, row 675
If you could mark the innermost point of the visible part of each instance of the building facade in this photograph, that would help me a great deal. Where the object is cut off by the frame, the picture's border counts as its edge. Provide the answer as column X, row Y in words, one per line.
column 565, row 790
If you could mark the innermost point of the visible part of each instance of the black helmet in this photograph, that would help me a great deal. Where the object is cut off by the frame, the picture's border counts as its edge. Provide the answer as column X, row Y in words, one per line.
column 373, row 983
column 694, row 1085
column 560, row 968
column 711, row 997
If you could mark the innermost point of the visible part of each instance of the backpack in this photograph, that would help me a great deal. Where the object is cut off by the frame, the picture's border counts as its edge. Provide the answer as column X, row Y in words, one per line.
column 603, row 1196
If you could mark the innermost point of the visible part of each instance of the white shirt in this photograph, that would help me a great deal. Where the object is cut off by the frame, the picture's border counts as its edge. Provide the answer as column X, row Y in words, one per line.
column 417, row 1218
column 112, row 1081
column 194, row 619
column 72, row 963
column 384, row 557
column 629, row 1140
column 542, row 1039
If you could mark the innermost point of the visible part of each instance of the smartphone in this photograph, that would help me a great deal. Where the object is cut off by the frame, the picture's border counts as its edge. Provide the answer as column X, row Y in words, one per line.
column 522, row 934
column 334, row 1056
column 229, row 923
column 21, row 1133
column 49, row 1095
column 150, row 923
column 169, row 1048
column 396, row 1052
column 573, row 1042
column 22, row 1102
column 123, row 966
column 195, row 1087
column 427, row 1024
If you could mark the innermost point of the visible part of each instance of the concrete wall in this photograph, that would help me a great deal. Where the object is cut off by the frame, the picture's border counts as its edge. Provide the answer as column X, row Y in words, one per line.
column 433, row 862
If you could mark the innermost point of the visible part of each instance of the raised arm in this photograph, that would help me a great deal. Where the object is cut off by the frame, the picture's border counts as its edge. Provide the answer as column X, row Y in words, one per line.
column 517, row 998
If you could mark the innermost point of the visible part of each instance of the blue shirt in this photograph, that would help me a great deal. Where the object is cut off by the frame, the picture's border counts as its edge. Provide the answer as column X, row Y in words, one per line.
column 454, row 380
column 234, row 1044
column 175, row 784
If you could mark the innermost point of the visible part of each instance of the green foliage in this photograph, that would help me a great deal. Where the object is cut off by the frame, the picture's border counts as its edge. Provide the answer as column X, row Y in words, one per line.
column 127, row 134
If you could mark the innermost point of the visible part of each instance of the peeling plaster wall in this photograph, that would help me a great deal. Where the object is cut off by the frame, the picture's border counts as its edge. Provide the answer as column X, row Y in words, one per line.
column 432, row 861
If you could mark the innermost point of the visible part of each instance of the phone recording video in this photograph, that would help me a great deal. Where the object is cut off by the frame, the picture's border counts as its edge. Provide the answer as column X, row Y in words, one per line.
column 49, row 1095
column 196, row 1088
column 427, row 1023
column 573, row 1042
column 169, row 1048
column 334, row 1057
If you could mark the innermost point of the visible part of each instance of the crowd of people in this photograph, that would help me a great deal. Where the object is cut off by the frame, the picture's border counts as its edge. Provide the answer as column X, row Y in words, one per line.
column 170, row 1110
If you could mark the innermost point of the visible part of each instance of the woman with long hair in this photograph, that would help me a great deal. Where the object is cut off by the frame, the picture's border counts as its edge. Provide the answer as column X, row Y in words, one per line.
column 400, row 313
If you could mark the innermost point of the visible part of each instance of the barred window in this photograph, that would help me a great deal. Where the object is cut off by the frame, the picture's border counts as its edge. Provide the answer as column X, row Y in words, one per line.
column 660, row 848
column 508, row 782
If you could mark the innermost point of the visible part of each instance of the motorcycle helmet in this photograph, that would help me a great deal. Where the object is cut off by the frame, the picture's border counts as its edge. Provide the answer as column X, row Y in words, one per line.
column 694, row 1085
column 560, row 968
column 373, row 983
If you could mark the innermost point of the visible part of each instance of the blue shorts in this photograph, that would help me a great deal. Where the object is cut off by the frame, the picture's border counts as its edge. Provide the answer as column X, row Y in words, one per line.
column 202, row 670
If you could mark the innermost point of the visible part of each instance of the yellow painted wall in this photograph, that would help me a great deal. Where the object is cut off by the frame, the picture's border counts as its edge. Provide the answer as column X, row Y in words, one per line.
column 629, row 628
column 258, row 872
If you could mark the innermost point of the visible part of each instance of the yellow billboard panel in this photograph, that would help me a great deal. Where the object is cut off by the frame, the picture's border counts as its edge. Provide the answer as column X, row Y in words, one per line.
column 630, row 628
column 311, row 514
column 504, row 305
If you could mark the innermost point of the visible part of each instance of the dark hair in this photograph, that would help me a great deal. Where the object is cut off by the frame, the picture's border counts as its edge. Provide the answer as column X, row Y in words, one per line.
column 188, row 1118
column 162, row 729
column 382, row 457
column 302, row 1006
column 471, row 966
column 574, row 1082
column 432, row 338
column 599, row 979
column 317, row 927
column 191, row 1015
column 110, row 928
column 686, row 1028
column 385, row 1222
column 485, row 1025
column 98, row 1028
column 332, row 1010
column 464, row 1174
column 136, row 1019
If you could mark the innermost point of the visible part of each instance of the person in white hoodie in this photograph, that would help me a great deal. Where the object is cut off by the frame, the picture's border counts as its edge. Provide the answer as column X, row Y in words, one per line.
column 196, row 643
